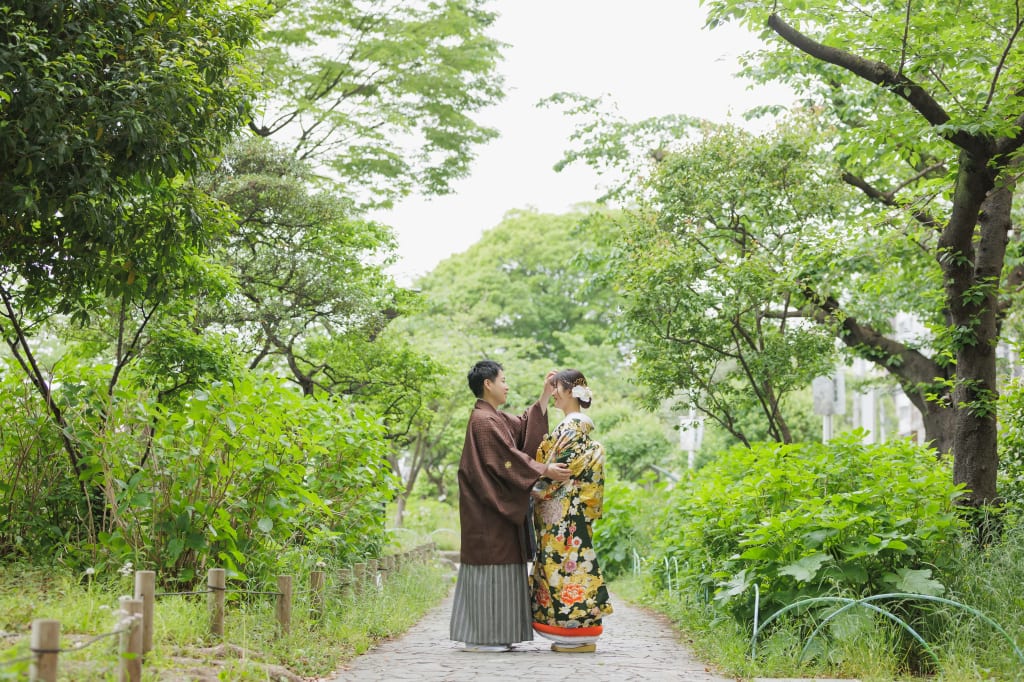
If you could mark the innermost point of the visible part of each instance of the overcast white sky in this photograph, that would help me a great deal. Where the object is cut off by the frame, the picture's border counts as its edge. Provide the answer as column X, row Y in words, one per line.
column 652, row 57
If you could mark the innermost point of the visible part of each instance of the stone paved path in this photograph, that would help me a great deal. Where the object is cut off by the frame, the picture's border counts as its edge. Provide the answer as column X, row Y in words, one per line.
column 636, row 645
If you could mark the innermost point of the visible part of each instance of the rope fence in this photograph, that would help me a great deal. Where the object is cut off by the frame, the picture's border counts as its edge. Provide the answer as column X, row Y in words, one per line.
column 135, row 617
column 44, row 645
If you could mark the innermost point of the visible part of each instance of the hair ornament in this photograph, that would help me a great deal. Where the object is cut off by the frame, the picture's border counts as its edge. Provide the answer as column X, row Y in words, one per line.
column 582, row 392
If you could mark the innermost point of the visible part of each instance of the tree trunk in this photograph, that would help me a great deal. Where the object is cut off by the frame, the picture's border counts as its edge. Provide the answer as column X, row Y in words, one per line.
column 972, row 288
column 399, row 511
column 976, row 458
column 939, row 426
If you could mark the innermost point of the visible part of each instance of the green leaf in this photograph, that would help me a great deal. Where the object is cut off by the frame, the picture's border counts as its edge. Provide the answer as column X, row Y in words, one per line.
column 806, row 568
column 915, row 581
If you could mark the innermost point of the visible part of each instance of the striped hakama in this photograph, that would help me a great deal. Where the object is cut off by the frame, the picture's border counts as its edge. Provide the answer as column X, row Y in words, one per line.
column 492, row 605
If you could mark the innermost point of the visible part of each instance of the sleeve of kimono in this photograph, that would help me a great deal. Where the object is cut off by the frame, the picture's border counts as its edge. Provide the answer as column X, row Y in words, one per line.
column 530, row 427
column 592, row 483
column 508, row 469
column 559, row 447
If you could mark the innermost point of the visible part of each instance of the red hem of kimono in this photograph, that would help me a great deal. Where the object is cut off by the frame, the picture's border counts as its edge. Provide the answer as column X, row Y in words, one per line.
column 592, row 631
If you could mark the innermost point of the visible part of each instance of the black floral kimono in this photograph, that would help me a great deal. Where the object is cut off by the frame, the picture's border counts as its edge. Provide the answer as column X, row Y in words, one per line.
column 566, row 585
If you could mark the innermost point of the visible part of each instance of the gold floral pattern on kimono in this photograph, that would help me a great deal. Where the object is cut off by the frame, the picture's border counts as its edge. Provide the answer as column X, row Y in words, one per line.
column 566, row 584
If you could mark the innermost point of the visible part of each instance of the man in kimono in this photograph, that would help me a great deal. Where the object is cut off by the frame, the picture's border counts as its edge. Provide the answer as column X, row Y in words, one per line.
column 496, row 473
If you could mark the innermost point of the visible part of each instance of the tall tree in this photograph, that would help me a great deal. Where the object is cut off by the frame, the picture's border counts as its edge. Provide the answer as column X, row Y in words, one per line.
column 381, row 93
column 105, row 109
column 707, row 268
column 524, row 282
column 925, row 117
column 929, row 113
column 306, row 265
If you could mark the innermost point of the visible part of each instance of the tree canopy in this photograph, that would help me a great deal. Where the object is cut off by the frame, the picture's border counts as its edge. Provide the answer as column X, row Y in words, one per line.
column 381, row 94
column 709, row 270
column 928, row 119
column 916, row 110
column 102, row 107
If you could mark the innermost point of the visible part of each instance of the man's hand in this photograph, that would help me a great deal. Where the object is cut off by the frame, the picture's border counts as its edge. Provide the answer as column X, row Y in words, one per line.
column 549, row 389
column 557, row 472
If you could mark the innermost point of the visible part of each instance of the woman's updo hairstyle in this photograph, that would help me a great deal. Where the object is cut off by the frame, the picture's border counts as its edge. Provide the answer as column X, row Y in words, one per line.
column 576, row 383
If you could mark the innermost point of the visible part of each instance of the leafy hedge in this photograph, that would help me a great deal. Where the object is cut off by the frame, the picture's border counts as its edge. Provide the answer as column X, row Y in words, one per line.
column 804, row 520
column 1011, row 445
column 247, row 475
column 621, row 530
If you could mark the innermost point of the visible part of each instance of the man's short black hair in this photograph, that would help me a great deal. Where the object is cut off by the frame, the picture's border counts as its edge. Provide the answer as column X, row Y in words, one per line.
column 482, row 371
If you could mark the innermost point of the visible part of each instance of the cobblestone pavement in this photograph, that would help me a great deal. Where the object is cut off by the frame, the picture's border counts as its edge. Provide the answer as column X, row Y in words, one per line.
column 636, row 645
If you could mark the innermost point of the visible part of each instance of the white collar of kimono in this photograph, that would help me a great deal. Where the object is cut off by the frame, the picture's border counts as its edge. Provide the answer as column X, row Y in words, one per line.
column 577, row 416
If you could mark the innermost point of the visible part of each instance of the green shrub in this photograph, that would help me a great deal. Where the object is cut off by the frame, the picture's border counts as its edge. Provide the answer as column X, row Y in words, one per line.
column 806, row 520
column 248, row 468
column 1011, row 445
column 626, row 525
column 39, row 495
column 248, row 475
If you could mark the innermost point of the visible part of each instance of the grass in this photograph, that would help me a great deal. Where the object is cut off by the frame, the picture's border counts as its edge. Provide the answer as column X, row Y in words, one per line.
column 251, row 649
column 427, row 520
column 725, row 644
column 988, row 579
column 869, row 648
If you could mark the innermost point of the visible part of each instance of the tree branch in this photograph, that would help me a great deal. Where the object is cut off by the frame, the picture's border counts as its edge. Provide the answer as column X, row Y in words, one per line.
column 882, row 75
column 889, row 198
column 912, row 368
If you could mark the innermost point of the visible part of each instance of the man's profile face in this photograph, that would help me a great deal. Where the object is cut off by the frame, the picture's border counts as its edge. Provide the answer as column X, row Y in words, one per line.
column 496, row 389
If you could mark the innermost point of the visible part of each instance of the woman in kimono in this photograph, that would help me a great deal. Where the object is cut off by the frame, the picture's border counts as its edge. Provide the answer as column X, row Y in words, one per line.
column 569, row 597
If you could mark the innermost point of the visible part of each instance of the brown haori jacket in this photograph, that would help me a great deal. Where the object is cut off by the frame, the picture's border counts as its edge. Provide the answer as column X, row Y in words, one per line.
column 496, row 474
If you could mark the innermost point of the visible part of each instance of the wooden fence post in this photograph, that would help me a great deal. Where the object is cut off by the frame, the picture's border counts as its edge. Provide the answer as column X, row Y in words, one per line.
column 283, row 608
column 317, row 580
column 131, row 640
column 145, row 589
column 45, row 645
column 360, row 571
column 345, row 578
column 216, row 583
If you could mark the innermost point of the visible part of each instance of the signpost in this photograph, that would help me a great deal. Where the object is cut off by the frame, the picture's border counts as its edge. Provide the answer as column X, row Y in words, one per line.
column 829, row 395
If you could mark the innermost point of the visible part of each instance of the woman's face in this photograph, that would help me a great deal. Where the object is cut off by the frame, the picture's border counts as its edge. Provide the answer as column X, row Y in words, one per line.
column 564, row 400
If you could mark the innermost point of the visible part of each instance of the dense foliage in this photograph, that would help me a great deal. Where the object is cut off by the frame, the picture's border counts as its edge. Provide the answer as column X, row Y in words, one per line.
column 102, row 107
column 199, row 318
column 381, row 93
column 899, row 207
column 809, row 519
column 774, row 524
column 625, row 533
column 231, row 476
